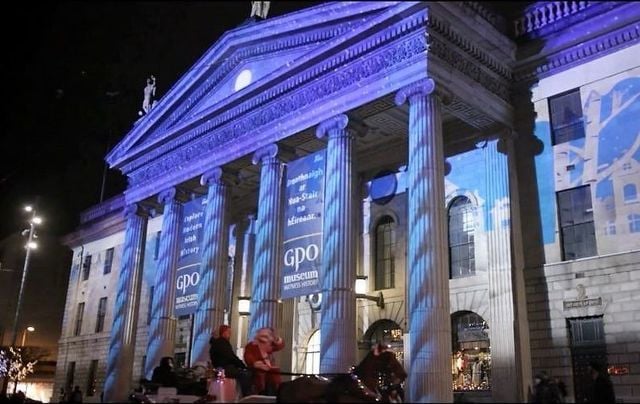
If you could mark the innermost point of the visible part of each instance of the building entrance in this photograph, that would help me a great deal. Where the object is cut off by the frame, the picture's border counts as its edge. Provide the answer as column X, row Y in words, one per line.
column 471, row 357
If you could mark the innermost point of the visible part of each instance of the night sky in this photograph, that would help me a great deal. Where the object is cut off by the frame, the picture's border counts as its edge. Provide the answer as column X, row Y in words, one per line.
column 74, row 74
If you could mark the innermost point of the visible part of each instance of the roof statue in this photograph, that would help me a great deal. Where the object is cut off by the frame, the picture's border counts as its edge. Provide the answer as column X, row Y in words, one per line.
column 149, row 93
column 259, row 9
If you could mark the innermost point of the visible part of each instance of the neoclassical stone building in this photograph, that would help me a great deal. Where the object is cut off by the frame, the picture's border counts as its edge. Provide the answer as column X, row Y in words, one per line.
column 479, row 173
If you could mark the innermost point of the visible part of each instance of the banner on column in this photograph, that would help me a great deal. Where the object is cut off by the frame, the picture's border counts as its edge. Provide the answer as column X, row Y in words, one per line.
column 188, row 271
column 304, row 211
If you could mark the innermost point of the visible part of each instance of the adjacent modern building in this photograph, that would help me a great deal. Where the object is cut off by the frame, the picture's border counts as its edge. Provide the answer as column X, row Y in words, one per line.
column 476, row 172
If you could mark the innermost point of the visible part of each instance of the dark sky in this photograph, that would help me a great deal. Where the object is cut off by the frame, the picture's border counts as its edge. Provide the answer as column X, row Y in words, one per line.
column 62, row 64
column 73, row 77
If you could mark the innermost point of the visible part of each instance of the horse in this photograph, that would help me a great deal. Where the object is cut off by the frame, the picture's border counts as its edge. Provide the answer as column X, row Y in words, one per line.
column 374, row 380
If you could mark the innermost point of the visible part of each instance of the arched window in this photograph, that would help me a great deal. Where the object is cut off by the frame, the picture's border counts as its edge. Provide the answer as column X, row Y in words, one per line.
column 312, row 357
column 461, row 238
column 385, row 240
column 630, row 192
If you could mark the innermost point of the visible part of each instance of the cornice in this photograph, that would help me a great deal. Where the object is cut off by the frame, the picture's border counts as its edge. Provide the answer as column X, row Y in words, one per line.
column 575, row 55
column 109, row 224
column 468, row 46
column 444, row 51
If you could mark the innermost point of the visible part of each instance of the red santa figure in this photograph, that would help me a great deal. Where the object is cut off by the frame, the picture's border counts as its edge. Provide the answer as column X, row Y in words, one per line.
column 258, row 355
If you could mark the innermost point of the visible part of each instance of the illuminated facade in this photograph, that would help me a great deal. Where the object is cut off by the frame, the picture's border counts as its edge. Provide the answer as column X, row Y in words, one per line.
column 484, row 180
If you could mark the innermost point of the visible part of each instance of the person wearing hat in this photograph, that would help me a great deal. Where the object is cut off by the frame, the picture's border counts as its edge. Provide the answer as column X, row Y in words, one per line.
column 258, row 354
column 222, row 356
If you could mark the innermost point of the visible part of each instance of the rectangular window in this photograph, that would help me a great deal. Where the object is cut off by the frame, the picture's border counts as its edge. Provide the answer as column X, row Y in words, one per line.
column 79, row 315
column 567, row 122
column 577, row 230
column 86, row 267
column 102, row 312
column 71, row 370
column 151, row 290
column 385, row 245
column 108, row 261
column 91, row 380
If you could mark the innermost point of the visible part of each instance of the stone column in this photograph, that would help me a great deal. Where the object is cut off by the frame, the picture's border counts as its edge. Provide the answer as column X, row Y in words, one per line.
column 427, row 256
column 338, row 312
column 266, row 268
column 213, row 269
column 246, row 273
column 502, row 321
column 162, row 330
column 125, row 319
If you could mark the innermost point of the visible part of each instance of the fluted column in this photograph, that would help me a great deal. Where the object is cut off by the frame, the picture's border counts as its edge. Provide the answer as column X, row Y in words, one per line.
column 338, row 312
column 213, row 269
column 427, row 256
column 502, row 320
column 123, row 333
column 266, row 268
column 246, row 274
column 162, row 330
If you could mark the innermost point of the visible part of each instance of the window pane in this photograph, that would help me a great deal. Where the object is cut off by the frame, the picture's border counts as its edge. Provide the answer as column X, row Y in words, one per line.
column 576, row 223
column 566, row 117
column 384, row 253
column 461, row 238
column 108, row 260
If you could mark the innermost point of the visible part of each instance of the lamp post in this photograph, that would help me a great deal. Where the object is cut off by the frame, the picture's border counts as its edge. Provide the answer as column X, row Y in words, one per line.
column 31, row 244
column 361, row 288
column 24, row 334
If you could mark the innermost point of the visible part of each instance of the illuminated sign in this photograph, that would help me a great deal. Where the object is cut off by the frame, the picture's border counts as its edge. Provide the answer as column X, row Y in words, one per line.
column 304, row 208
column 190, row 256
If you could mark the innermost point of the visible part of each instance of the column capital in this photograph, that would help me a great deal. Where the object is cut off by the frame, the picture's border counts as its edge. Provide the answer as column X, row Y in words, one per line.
column 335, row 123
column 135, row 209
column 422, row 87
column 217, row 175
column 267, row 152
column 172, row 194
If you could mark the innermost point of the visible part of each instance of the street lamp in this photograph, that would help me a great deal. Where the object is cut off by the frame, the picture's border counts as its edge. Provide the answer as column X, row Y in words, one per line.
column 244, row 305
column 361, row 288
column 31, row 244
column 24, row 334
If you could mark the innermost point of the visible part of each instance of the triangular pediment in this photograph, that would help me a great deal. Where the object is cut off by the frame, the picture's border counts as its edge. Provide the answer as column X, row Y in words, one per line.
column 241, row 60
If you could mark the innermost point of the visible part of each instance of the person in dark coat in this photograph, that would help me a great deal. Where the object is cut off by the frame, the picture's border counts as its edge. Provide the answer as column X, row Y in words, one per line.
column 222, row 356
column 164, row 374
column 545, row 391
column 601, row 386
